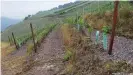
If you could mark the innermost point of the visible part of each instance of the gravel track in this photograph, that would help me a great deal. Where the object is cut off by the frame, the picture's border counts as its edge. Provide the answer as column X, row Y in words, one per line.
column 49, row 57
column 122, row 49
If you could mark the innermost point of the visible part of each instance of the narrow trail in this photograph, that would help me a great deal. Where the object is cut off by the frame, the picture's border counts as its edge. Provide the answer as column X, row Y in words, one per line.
column 21, row 51
column 49, row 56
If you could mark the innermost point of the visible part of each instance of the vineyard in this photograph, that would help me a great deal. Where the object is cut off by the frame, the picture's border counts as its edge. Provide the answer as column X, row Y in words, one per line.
column 72, row 40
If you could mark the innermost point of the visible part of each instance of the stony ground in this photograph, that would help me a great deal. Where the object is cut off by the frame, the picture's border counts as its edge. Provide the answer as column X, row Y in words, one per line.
column 122, row 48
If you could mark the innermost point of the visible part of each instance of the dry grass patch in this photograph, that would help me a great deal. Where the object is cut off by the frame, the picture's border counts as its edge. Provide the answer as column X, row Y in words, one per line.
column 6, row 49
column 13, row 65
column 124, row 26
column 4, row 44
column 71, row 39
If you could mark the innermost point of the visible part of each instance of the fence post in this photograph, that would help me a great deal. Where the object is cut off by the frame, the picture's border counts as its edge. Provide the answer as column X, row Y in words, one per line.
column 14, row 40
column 9, row 40
column 83, row 16
column 77, row 17
column 33, row 37
column 113, row 27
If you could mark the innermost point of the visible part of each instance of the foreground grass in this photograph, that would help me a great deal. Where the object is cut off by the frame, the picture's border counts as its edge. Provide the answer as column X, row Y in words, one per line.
column 4, row 44
column 13, row 65
column 6, row 49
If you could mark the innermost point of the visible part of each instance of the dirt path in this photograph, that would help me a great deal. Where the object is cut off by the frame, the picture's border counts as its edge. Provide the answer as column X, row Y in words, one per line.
column 122, row 49
column 16, row 53
column 49, row 57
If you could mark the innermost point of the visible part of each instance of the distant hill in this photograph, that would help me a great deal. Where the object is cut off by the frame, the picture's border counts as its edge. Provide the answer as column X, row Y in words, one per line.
column 6, row 22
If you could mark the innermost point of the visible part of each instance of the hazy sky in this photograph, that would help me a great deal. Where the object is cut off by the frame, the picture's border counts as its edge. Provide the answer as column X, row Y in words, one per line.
column 18, row 9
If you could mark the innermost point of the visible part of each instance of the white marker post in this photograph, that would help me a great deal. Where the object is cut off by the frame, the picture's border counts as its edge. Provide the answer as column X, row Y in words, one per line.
column 97, row 36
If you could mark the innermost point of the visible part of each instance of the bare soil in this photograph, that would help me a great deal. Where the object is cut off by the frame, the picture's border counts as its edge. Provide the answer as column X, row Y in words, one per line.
column 49, row 57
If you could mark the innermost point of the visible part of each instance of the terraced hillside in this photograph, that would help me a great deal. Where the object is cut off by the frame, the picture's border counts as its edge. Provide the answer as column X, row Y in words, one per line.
column 65, row 42
column 40, row 20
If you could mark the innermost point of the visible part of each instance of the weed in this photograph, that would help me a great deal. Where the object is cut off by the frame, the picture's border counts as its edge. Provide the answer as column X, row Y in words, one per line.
column 69, row 68
column 105, row 29
column 67, row 55
column 120, row 66
column 90, row 29
column 30, row 48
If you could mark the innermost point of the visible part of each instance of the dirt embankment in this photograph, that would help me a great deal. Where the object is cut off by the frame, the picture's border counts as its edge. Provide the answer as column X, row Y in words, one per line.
column 84, row 57
column 124, row 25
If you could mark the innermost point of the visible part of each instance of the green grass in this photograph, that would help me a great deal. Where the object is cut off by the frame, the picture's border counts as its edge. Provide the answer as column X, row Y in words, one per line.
column 40, row 35
column 22, row 29
column 44, row 32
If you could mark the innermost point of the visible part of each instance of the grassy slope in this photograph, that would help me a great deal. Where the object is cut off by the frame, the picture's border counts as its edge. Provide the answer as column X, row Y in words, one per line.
column 39, row 20
column 23, row 28
column 102, row 15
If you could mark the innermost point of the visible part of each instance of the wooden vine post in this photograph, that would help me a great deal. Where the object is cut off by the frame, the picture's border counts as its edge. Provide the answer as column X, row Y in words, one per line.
column 9, row 40
column 33, row 37
column 77, row 18
column 113, row 27
column 14, row 41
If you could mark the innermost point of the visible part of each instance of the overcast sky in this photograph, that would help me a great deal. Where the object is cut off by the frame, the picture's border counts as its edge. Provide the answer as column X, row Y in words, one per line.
column 18, row 9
